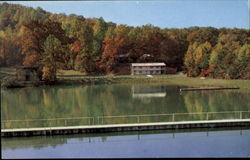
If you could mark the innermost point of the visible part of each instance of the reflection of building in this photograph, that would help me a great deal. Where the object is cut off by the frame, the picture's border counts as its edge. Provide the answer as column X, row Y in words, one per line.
column 148, row 91
column 148, row 68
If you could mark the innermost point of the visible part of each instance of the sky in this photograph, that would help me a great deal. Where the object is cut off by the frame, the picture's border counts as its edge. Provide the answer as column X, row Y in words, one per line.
column 163, row 13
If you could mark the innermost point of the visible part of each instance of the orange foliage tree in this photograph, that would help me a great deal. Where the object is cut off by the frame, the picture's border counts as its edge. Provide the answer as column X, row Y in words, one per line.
column 31, row 60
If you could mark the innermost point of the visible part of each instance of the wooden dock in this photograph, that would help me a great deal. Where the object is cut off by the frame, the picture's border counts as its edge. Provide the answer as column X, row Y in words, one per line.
column 207, row 88
column 47, row 131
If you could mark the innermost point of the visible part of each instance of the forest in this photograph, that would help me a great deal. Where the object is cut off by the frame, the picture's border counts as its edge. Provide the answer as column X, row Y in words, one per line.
column 37, row 38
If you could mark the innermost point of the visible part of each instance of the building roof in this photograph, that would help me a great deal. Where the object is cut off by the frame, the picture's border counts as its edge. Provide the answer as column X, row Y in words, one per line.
column 26, row 67
column 148, row 64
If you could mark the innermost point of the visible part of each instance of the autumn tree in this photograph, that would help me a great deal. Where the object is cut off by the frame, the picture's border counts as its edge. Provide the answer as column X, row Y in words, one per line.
column 202, row 35
column 111, row 49
column 93, row 46
column 9, row 49
column 37, row 38
column 51, row 57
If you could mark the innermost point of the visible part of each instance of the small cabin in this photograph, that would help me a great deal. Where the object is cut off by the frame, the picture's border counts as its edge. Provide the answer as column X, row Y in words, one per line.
column 122, row 58
column 28, row 74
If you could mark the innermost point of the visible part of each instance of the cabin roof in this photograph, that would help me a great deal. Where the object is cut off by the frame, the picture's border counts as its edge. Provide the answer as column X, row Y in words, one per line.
column 26, row 67
column 148, row 64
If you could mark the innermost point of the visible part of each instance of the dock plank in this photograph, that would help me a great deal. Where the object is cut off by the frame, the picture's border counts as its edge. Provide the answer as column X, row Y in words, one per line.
column 123, row 127
column 208, row 88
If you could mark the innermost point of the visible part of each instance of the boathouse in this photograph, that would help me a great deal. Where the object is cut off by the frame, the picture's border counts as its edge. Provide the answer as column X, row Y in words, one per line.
column 24, row 73
column 148, row 68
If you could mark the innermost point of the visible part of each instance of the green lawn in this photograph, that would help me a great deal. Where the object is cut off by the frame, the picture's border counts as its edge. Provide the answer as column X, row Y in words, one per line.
column 189, row 81
column 170, row 79
column 197, row 82
column 61, row 72
column 8, row 70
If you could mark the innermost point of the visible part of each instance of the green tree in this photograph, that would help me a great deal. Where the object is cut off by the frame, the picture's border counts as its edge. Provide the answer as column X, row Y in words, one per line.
column 110, row 33
column 189, row 60
column 99, row 31
column 242, row 62
column 51, row 56
column 202, row 55
column 215, row 61
column 37, row 40
column 84, row 58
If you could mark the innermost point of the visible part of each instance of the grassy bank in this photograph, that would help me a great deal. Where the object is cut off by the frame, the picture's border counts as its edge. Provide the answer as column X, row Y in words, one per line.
column 163, row 79
column 192, row 82
column 197, row 82
column 7, row 71
column 75, row 77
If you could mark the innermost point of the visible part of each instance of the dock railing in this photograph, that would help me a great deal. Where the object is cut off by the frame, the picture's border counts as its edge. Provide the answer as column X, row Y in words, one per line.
column 124, row 119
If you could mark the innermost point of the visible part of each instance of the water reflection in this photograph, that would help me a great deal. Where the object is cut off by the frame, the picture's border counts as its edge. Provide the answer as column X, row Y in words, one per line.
column 145, row 91
column 43, row 141
column 116, row 104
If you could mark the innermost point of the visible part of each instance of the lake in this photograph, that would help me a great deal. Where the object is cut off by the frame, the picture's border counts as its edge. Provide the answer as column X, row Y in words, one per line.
column 223, row 142
column 117, row 104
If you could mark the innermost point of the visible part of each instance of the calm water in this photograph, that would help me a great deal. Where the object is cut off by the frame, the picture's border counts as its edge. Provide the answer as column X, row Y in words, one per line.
column 230, row 142
column 117, row 104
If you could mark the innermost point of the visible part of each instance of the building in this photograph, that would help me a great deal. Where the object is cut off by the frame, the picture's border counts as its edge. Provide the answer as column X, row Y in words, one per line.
column 122, row 58
column 148, row 68
column 28, row 74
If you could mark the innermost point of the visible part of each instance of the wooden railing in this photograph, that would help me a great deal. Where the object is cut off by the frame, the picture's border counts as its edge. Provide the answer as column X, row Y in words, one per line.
column 100, row 120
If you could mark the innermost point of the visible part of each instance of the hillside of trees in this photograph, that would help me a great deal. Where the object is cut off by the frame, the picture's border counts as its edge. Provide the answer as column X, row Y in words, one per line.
column 35, row 37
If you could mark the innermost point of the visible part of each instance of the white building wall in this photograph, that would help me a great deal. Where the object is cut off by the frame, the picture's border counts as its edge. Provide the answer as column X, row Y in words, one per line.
column 143, row 70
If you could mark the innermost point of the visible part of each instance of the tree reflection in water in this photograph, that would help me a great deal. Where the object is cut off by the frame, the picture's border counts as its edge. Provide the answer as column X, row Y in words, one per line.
column 116, row 100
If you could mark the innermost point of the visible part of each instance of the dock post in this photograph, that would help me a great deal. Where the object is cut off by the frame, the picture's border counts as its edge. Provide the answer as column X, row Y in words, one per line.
column 207, row 116
column 241, row 115
column 173, row 117
column 138, row 120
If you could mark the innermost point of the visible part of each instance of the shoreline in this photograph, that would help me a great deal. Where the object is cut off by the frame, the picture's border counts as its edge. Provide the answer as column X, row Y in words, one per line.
column 127, row 79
